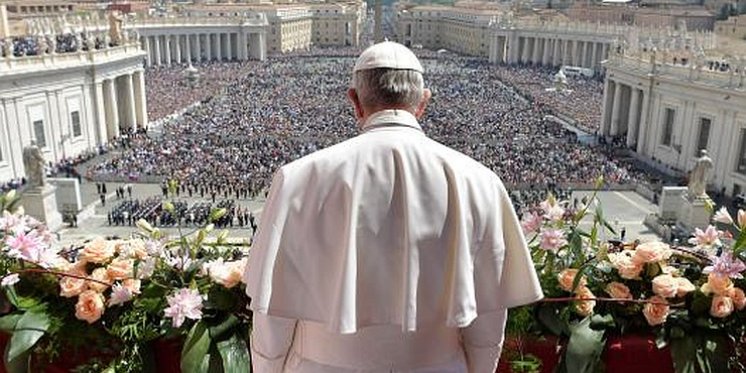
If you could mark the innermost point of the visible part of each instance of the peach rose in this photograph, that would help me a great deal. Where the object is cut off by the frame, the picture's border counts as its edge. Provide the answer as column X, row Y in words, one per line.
column 742, row 219
column 71, row 286
column 120, row 269
column 623, row 263
column 618, row 290
column 665, row 286
column 90, row 306
column 101, row 275
column 567, row 277
column 132, row 285
column 97, row 251
column 739, row 298
column 721, row 306
column 684, row 286
column 656, row 312
column 134, row 248
column 584, row 307
column 717, row 284
column 651, row 252
column 227, row 274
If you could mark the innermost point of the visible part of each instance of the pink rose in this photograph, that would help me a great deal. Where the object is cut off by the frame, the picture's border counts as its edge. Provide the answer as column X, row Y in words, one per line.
column 97, row 251
column 227, row 274
column 717, row 284
column 656, row 312
column 567, row 277
column 618, row 290
column 90, row 306
column 100, row 275
column 739, row 298
column 651, row 252
column 684, row 286
column 120, row 269
column 721, row 306
column 586, row 303
column 666, row 286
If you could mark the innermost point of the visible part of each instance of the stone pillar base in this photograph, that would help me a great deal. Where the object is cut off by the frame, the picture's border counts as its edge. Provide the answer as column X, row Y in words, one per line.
column 41, row 203
column 694, row 213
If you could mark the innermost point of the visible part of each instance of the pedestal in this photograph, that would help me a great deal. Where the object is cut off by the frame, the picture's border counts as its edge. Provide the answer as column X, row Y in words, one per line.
column 41, row 203
column 694, row 213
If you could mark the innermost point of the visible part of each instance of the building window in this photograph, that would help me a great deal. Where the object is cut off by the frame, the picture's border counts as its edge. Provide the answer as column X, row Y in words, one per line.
column 741, row 166
column 668, row 126
column 704, row 135
column 75, row 121
column 41, row 139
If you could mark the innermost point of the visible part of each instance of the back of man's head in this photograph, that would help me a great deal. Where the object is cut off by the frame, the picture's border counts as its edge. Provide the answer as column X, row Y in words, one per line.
column 388, row 75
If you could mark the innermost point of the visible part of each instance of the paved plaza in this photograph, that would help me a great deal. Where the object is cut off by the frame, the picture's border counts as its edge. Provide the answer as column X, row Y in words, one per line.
column 622, row 209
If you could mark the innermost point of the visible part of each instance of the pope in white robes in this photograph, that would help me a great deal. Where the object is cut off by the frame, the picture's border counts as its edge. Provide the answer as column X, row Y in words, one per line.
column 388, row 252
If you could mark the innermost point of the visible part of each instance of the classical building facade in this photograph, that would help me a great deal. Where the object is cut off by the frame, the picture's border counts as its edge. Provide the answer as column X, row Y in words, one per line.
column 69, row 102
column 195, row 39
column 668, row 112
column 502, row 38
column 695, row 17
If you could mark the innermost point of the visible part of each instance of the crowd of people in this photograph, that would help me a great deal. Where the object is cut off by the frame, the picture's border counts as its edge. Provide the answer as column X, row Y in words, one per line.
column 278, row 110
column 582, row 102
column 128, row 211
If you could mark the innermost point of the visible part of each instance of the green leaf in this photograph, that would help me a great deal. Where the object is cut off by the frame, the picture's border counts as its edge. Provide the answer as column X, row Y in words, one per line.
column 8, row 322
column 740, row 243
column 217, row 332
column 683, row 351
column 583, row 349
column 30, row 327
column 602, row 321
column 235, row 354
column 549, row 316
column 17, row 365
column 194, row 353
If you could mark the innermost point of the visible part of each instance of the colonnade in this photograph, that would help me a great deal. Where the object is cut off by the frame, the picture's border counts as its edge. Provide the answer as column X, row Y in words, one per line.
column 174, row 47
column 625, row 107
column 548, row 50
column 120, row 104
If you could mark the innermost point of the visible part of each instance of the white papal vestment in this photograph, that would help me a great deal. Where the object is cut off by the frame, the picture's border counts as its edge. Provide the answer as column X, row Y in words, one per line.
column 388, row 252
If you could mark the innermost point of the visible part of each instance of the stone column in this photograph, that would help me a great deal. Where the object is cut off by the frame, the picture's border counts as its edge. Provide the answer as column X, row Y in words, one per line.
column 188, row 48
column 643, row 124
column 241, row 51
column 229, row 46
column 141, row 107
column 148, row 52
column 545, row 52
column 157, row 40
column 604, row 51
column 632, row 123
column 585, row 63
column 605, row 124
column 178, row 48
column 575, row 53
column 167, row 40
column 536, row 57
column 219, row 46
column 99, row 112
column 616, row 106
column 130, row 113
column 258, row 46
column 208, row 47
column 556, row 52
column 112, row 114
column 526, row 50
column 594, row 57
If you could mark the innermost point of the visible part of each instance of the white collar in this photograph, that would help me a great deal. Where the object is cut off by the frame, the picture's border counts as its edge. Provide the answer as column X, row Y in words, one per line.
column 390, row 117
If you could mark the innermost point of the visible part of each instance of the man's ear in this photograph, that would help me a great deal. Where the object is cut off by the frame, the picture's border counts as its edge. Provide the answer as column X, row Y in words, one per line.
column 420, row 111
column 352, row 95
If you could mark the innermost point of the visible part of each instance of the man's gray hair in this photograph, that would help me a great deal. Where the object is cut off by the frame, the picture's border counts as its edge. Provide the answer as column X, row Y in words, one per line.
column 382, row 88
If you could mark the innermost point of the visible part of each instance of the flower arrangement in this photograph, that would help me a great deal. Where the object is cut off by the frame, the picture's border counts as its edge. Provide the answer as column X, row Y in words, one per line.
column 120, row 295
column 690, row 298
